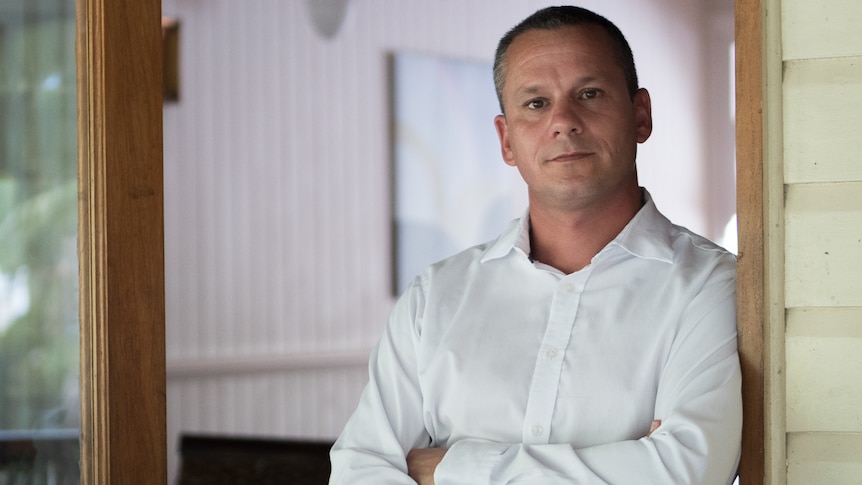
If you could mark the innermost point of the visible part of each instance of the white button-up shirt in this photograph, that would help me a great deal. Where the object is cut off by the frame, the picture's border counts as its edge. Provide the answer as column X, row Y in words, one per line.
column 528, row 375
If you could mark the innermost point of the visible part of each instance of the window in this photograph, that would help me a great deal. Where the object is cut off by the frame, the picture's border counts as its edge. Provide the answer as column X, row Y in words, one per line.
column 39, row 336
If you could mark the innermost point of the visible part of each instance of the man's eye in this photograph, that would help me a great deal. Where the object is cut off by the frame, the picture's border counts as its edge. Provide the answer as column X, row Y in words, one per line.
column 590, row 93
column 535, row 104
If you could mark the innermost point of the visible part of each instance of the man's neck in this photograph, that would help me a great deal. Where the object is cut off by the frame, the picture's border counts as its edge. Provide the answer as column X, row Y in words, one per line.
column 568, row 240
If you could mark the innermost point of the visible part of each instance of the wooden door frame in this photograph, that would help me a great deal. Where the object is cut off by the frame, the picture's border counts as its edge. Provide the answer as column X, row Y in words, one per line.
column 121, row 242
column 752, row 207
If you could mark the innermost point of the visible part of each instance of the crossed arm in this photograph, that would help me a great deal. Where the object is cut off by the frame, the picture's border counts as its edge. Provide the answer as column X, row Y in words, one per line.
column 387, row 440
column 698, row 442
column 422, row 462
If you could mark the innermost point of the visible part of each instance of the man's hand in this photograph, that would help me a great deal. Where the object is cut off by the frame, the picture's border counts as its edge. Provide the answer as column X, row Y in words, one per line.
column 421, row 463
column 654, row 426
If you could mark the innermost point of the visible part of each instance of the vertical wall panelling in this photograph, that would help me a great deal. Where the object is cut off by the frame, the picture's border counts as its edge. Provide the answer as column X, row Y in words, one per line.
column 823, row 240
column 824, row 234
column 824, row 112
column 820, row 340
column 277, row 190
column 821, row 29
column 824, row 458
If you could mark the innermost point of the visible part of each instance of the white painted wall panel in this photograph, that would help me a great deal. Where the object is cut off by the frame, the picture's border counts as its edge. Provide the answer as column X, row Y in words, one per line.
column 824, row 28
column 823, row 117
column 823, row 245
column 823, row 239
column 824, row 458
column 824, row 365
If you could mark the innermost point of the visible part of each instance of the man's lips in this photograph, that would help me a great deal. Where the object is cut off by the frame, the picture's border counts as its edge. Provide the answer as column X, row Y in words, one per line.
column 570, row 156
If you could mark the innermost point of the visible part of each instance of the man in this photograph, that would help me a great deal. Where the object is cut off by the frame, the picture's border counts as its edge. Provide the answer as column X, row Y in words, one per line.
column 593, row 341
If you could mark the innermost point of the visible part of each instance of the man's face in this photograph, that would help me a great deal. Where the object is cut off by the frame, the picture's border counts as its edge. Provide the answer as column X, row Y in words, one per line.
column 571, row 126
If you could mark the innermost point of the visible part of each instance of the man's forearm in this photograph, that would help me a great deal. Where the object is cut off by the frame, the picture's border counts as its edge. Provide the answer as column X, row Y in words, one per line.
column 422, row 462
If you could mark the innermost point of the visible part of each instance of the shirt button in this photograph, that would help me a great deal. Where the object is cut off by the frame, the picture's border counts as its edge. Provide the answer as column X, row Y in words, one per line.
column 537, row 430
column 551, row 353
column 570, row 288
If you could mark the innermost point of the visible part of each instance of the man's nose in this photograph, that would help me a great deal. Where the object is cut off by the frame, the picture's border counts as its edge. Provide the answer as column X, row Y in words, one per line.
column 567, row 119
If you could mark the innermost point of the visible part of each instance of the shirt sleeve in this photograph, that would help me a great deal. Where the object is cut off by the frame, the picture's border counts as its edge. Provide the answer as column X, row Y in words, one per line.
column 388, row 420
column 698, row 401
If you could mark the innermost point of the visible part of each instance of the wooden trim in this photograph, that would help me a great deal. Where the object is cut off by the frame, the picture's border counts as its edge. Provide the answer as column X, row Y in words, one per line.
column 121, row 249
column 748, row 18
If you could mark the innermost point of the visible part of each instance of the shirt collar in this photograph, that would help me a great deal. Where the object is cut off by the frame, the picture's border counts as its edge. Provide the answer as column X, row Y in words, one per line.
column 647, row 235
column 516, row 237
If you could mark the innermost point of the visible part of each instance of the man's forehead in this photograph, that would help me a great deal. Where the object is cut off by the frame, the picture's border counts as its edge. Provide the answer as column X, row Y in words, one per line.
column 552, row 48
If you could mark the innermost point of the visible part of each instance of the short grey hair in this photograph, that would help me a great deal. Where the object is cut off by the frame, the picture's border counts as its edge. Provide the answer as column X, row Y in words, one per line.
column 551, row 18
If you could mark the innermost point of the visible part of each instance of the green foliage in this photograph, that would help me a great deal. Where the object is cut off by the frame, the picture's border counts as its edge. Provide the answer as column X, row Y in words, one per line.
column 38, row 224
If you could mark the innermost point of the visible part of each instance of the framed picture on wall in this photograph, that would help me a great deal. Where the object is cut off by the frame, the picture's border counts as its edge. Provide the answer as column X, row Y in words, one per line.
column 451, row 189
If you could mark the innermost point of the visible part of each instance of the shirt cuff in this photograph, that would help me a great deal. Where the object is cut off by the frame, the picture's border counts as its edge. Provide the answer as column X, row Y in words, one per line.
column 469, row 462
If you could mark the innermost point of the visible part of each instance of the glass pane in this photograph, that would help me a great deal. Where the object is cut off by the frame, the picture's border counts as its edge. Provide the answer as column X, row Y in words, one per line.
column 39, row 401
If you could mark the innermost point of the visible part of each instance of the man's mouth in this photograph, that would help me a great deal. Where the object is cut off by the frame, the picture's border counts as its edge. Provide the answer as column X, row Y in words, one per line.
column 571, row 156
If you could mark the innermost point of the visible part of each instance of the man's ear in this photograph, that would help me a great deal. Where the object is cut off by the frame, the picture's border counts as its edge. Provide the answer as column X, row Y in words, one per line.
column 643, row 114
column 503, row 135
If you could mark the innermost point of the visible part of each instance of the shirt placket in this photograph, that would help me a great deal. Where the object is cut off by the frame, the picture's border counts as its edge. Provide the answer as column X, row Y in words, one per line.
column 549, row 362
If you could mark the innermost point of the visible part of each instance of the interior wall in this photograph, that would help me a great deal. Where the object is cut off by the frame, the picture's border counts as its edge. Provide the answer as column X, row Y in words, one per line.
column 277, row 186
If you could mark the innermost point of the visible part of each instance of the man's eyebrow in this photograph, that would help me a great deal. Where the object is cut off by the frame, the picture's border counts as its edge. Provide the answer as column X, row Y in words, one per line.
column 528, row 90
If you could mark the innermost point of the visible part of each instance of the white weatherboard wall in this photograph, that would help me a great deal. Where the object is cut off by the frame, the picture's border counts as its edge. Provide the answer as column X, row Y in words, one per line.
column 822, row 118
column 277, row 186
